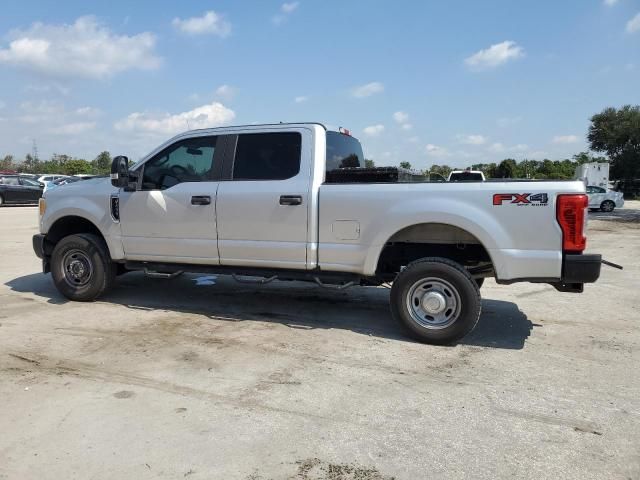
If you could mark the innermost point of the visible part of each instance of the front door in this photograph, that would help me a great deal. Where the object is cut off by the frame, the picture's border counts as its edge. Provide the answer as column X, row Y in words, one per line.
column 262, row 211
column 171, row 217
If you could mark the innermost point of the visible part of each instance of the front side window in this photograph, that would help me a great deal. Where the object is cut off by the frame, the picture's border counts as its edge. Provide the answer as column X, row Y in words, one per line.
column 267, row 156
column 189, row 160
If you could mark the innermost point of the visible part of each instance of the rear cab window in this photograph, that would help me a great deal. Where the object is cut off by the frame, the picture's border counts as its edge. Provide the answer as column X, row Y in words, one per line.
column 465, row 177
column 343, row 151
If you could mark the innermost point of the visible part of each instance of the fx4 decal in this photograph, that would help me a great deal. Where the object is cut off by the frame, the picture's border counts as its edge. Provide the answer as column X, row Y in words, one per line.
column 536, row 199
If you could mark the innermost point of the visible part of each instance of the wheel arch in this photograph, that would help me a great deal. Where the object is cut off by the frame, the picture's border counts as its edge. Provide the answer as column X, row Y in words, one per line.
column 70, row 225
column 440, row 235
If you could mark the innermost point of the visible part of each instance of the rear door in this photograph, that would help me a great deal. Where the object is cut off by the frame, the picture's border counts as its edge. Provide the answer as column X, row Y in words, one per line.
column 262, row 208
column 12, row 191
column 31, row 189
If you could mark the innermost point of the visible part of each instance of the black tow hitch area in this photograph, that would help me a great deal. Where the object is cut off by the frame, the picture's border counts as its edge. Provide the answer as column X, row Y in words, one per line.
column 611, row 264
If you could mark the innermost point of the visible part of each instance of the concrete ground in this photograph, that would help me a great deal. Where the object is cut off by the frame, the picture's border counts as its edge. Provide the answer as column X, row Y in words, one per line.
column 201, row 378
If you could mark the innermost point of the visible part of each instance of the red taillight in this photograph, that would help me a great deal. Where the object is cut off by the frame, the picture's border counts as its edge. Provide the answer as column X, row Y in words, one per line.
column 571, row 211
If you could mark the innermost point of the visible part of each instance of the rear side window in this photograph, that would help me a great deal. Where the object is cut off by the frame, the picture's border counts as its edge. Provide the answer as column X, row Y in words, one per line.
column 267, row 156
column 188, row 160
column 343, row 151
column 10, row 181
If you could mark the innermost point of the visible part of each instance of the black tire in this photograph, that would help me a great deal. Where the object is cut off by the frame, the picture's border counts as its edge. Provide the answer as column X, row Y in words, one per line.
column 607, row 206
column 81, row 267
column 480, row 282
column 436, row 276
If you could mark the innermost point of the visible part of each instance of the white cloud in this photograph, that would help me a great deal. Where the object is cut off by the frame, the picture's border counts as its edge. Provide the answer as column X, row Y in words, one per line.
column 414, row 139
column 436, row 151
column 289, row 7
column 301, row 99
column 83, row 49
column 367, row 90
column 374, row 130
column 472, row 139
column 211, row 23
column 633, row 25
column 565, row 139
column 494, row 56
column 401, row 117
column 54, row 118
column 75, row 128
column 497, row 147
column 610, row 3
column 286, row 9
column 226, row 92
column 205, row 116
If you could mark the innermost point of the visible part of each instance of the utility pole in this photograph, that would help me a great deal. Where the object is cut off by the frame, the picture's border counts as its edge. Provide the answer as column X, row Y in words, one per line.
column 34, row 151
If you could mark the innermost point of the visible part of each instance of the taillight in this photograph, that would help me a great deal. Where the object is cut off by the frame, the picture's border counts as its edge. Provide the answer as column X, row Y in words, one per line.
column 571, row 213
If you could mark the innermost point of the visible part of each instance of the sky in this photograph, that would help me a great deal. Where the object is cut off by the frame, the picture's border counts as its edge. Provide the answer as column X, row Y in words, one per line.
column 430, row 82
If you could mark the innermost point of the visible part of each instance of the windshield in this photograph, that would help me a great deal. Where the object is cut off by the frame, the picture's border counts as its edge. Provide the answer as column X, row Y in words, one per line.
column 343, row 151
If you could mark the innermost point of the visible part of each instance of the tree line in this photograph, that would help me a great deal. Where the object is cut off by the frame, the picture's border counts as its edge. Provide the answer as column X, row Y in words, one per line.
column 614, row 131
column 62, row 164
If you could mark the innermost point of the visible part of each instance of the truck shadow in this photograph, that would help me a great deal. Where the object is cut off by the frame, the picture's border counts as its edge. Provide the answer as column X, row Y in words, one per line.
column 363, row 310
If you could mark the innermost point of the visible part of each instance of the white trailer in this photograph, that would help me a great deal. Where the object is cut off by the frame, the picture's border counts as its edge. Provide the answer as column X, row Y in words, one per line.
column 593, row 174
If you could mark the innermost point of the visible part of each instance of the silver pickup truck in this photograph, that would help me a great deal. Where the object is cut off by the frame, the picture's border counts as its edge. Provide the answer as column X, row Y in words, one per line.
column 258, row 202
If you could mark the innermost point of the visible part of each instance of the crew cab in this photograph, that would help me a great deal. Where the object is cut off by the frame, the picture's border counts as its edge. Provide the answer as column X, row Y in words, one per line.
column 253, row 202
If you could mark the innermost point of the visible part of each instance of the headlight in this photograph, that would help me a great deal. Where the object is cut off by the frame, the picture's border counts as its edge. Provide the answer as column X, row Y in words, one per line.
column 42, row 206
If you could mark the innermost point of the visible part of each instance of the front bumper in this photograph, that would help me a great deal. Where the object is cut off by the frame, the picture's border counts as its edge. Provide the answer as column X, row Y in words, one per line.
column 38, row 245
column 40, row 248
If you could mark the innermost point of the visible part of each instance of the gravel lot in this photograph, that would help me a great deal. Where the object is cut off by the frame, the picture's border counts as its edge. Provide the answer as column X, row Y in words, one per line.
column 198, row 377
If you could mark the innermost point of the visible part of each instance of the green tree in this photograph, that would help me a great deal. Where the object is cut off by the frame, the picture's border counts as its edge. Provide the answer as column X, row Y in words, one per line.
column 75, row 166
column 102, row 163
column 406, row 165
column 507, row 169
column 369, row 163
column 617, row 132
column 7, row 163
column 443, row 170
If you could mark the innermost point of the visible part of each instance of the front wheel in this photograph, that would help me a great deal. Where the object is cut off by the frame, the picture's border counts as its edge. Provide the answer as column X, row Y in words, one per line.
column 607, row 206
column 81, row 267
column 436, row 300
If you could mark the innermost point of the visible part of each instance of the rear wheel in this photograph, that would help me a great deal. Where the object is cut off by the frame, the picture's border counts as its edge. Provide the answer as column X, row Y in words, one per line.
column 81, row 267
column 607, row 206
column 436, row 300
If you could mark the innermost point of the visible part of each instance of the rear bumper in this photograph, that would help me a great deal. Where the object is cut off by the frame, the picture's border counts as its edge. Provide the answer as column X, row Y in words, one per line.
column 581, row 268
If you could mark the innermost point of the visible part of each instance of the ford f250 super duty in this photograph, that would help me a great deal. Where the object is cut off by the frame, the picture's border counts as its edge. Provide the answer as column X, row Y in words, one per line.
column 254, row 202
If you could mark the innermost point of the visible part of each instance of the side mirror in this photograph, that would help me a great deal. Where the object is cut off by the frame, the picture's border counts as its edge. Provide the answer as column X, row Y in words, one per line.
column 120, row 172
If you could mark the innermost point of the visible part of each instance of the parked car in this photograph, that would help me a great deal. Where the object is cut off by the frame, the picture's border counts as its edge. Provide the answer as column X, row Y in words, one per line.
column 254, row 201
column 17, row 189
column 45, row 179
column 63, row 181
column 604, row 200
column 467, row 175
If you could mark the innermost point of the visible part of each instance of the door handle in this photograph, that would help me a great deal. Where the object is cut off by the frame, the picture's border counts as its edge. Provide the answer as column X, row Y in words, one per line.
column 290, row 199
column 200, row 200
